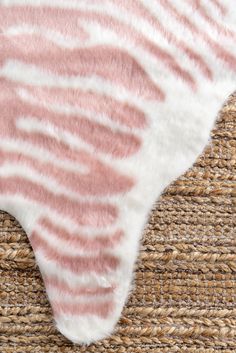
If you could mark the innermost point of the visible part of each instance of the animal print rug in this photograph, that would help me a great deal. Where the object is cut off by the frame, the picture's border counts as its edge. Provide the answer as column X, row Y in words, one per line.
column 102, row 104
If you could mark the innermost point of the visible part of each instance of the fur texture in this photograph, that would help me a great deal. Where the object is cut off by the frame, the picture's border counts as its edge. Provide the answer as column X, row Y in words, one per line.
column 102, row 104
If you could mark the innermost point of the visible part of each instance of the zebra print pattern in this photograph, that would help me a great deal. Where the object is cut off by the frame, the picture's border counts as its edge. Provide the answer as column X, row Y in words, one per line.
column 102, row 104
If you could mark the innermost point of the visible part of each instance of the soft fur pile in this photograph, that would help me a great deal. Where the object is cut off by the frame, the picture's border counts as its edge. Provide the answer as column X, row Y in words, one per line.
column 103, row 104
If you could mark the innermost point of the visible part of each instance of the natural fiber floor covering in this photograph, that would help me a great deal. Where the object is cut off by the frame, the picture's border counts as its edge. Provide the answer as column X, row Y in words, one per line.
column 185, row 296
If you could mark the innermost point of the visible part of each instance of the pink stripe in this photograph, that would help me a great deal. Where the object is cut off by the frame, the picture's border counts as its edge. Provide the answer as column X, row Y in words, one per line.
column 112, row 64
column 84, row 213
column 63, row 287
column 98, row 243
column 100, row 264
column 219, row 51
column 203, row 13
column 123, row 113
column 219, row 6
column 118, row 144
column 56, row 19
column 144, row 13
column 49, row 144
column 120, row 28
column 138, row 38
column 8, row 129
column 224, row 55
column 102, row 310
column 100, row 180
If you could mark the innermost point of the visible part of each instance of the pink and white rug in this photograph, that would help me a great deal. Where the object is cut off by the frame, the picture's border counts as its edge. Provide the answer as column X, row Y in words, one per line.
column 102, row 104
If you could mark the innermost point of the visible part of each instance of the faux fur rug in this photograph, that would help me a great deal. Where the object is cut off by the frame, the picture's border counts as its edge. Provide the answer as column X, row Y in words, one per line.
column 185, row 280
column 103, row 104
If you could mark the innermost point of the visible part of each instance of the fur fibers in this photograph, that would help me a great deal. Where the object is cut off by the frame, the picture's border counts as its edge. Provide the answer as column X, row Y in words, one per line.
column 102, row 105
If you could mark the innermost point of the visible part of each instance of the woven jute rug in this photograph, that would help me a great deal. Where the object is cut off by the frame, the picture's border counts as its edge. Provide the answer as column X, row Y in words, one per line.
column 185, row 296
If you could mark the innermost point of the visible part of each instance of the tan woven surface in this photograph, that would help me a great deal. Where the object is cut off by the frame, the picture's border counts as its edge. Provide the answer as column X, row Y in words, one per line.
column 185, row 293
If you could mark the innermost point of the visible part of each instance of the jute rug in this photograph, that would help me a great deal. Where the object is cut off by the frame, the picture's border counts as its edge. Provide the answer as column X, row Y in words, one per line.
column 185, row 296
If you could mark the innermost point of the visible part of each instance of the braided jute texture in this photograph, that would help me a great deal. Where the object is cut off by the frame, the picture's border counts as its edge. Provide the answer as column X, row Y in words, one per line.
column 185, row 296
